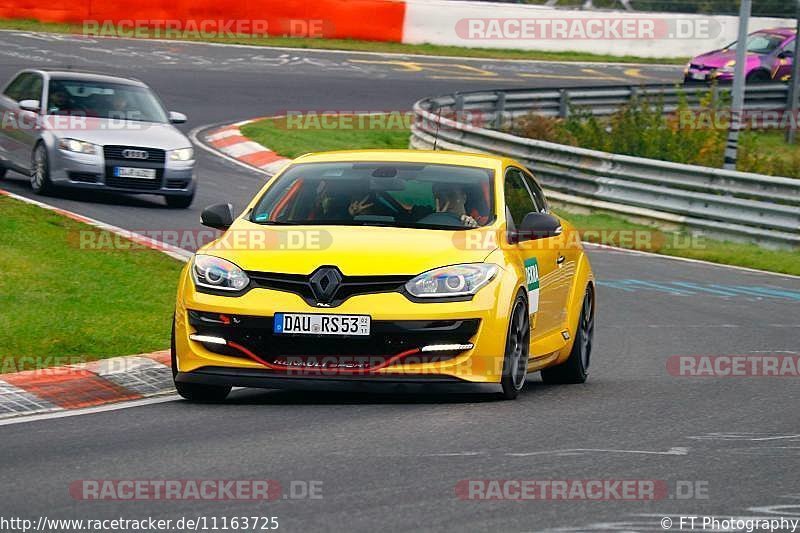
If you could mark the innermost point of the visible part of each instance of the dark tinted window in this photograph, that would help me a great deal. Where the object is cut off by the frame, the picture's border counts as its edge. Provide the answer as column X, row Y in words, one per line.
column 104, row 100
column 16, row 88
column 518, row 200
column 416, row 195
column 33, row 89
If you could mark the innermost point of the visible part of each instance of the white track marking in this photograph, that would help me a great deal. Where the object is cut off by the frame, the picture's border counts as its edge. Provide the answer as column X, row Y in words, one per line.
column 97, row 39
column 573, row 451
column 686, row 260
column 90, row 410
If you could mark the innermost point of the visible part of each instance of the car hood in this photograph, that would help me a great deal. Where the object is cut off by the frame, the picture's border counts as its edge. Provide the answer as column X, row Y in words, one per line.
column 116, row 132
column 720, row 58
column 355, row 250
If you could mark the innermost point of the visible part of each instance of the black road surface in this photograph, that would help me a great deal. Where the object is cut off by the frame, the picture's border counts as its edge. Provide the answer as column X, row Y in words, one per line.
column 728, row 447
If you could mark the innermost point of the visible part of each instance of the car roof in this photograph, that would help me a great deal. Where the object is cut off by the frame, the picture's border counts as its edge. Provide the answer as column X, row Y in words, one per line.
column 411, row 156
column 77, row 75
column 786, row 31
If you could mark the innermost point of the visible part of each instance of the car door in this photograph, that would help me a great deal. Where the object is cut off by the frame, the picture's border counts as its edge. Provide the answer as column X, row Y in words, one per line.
column 11, row 143
column 540, row 257
column 563, row 277
column 783, row 67
column 29, row 123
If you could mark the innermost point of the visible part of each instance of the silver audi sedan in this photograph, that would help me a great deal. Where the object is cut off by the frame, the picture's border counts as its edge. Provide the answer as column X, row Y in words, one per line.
column 91, row 131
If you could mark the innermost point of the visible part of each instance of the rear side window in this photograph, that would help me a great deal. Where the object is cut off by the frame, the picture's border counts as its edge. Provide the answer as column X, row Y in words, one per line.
column 536, row 192
column 16, row 89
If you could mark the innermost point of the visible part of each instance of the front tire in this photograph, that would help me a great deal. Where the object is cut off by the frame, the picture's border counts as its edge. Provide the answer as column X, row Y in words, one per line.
column 759, row 76
column 194, row 392
column 576, row 368
column 515, row 361
column 40, row 170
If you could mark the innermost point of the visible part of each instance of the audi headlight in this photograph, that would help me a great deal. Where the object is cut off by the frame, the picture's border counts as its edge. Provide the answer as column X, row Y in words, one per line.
column 215, row 273
column 181, row 154
column 452, row 281
column 74, row 145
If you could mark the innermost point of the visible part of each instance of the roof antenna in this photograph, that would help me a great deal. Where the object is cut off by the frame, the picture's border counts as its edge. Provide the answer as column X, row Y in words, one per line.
column 438, row 123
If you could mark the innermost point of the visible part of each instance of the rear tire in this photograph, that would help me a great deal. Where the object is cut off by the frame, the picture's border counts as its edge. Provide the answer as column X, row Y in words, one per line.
column 40, row 170
column 759, row 76
column 195, row 392
column 515, row 361
column 576, row 368
column 179, row 202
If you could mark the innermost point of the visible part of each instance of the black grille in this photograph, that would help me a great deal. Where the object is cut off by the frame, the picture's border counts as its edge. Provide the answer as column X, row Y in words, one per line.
column 133, row 183
column 154, row 155
column 387, row 338
column 177, row 184
column 114, row 158
column 348, row 287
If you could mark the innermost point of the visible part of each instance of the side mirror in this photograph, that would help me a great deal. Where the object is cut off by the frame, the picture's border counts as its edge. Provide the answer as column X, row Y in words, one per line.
column 786, row 54
column 538, row 226
column 30, row 105
column 218, row 216
column 177, row 118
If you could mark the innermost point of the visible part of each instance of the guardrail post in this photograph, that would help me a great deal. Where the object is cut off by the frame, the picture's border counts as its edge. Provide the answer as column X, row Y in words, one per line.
column 500, row 109
column 563, row 103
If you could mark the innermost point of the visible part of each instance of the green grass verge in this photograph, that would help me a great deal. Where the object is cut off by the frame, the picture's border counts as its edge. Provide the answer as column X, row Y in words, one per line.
column 65, row 303
column 291, row 142
column 361, row 46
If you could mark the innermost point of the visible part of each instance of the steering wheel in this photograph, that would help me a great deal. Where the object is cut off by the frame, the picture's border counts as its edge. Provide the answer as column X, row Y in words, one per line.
column 444, row 218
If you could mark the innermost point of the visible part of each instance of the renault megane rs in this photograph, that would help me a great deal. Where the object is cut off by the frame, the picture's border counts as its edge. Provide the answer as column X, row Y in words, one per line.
column 386, row 268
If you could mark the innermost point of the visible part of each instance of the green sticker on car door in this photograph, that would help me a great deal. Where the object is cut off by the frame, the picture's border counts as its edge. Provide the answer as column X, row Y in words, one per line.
column 532, row 280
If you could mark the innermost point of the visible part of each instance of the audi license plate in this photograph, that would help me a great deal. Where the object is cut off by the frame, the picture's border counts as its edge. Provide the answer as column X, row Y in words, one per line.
column 312, row 324
column 129, row 172
column 699, row 76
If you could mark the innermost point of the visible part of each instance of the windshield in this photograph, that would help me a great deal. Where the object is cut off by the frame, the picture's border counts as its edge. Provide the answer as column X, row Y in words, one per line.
column 379, row 194
column 103, row 100
column 761, row 43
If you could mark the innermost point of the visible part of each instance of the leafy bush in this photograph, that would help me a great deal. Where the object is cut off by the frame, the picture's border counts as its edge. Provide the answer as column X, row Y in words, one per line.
column 691, row 135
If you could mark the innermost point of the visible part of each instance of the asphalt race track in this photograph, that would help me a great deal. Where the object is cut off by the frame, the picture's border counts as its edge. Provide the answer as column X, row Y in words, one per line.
column 392, row 462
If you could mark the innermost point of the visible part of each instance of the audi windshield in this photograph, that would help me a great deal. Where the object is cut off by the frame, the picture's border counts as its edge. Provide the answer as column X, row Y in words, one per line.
column 379, row 194
column 103, row 100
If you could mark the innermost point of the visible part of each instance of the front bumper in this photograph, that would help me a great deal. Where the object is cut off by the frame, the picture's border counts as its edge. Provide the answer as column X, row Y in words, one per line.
column 90, row 172
column 400, row 329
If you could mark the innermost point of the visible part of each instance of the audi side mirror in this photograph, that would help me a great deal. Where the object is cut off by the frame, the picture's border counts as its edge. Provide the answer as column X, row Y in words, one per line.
column 786, row 54
column 538, row 226
column 177, row 118
column 30, row 105
column 218, row 216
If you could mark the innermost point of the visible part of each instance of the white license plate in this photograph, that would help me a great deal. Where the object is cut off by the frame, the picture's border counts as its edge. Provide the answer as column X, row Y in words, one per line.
column 312, row 324
column 699, row 76
column 130, row 172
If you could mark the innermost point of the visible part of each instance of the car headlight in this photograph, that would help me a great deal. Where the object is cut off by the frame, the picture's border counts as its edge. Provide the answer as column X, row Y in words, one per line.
column 215, row 273
column 74, row 145
column 452, row 281
column 181, row 154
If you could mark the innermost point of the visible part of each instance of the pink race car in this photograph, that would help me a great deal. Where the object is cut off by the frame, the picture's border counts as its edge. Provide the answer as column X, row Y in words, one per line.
column 769, row 58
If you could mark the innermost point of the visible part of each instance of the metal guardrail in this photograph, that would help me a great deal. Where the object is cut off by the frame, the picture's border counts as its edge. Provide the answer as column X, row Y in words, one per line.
column 719, row 203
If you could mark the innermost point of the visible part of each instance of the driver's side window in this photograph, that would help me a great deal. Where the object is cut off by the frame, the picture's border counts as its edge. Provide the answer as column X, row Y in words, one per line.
column 517, row 197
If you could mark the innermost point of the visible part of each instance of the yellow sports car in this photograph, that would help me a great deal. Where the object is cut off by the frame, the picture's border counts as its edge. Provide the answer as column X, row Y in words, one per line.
column 381, row 269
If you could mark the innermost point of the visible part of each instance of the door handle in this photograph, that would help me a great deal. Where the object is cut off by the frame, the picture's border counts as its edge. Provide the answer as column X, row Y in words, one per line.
column 560, row 259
